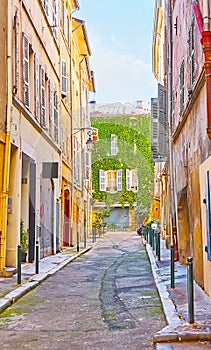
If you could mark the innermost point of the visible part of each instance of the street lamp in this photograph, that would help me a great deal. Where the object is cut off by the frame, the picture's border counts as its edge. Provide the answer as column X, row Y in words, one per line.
column 89, row 142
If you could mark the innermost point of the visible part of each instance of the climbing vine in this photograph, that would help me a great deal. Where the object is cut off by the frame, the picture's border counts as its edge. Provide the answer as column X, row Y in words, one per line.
column 134, row 152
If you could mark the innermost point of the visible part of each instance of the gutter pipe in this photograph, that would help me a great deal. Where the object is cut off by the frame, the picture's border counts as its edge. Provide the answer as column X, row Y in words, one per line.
column 204, row 25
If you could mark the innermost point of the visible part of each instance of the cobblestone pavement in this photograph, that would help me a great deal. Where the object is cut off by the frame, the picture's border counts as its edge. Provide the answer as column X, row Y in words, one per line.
column 105, row 299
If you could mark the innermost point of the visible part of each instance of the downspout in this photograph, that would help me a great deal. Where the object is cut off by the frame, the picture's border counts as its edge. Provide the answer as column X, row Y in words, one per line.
column 204, row 18
column 206, row 43
column 5, row 185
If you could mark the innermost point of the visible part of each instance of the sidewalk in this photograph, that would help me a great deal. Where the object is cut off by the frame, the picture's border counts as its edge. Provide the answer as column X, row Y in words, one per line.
column 175, row 306
column 10, row 291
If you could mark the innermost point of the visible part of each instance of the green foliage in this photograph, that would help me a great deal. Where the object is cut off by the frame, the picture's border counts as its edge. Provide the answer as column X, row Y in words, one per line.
column 134, row 152
column 23, row 237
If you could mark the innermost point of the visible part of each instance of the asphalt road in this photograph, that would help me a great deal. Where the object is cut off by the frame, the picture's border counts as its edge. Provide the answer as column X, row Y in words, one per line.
column 104, row 300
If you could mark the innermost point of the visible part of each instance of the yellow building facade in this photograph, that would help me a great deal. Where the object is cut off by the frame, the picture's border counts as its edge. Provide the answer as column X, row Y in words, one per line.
column 36, row 131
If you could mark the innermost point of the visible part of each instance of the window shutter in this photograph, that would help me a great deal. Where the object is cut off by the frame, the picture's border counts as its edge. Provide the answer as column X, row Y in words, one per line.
column 56, row 118
column 42, row 98
column 162, row 123
column 36, row 87
column 154, row 129
column 119, row 180
column 50, row 107
column 25, row 48
column 17, row 53
column 102, row 174
column 128, row 180
column 45, row 5
column 135, row 180
column 208, row 215
column 54, row 15
column 191, row 54
column 68, row 148
column 63, row 139
column 182, row 87
column 64, row 78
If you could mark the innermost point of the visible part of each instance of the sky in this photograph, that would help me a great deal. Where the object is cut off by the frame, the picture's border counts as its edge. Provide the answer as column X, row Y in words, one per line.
column 120, row 37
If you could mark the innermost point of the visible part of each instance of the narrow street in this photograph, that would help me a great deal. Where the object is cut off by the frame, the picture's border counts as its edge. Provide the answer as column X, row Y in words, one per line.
column 106, row 299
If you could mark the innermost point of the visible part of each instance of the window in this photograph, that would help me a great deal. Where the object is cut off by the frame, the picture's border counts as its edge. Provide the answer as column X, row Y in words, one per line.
column 56, row 118
column 25, row 49
column 114, row 149
column 64, row 78
column 132, row 180
column 88, row 166
column 110, row 180
column 182, row 87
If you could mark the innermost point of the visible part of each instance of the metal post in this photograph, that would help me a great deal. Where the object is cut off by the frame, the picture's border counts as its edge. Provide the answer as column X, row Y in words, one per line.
column 172, row 267
column 158, row 238
column 37, row 258
column 78, row 248
column 190, row 290
column 84, row 236
column 153, row 239
column 19, row 265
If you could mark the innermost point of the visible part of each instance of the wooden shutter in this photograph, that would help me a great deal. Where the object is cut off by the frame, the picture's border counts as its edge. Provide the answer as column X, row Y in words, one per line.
column 154, row 129
column 64, row 78
column 54, row 15
column 42, row 98
column 68, row 148
column 17, row 53
column 128, row 180
column 50, row 107
column 182, row 87
column 25, row 49
column 162, row 123
column 102, row 176
column 191, row 54
column 208, row 214
column 36, row 87
column 114, row 149
column 56, row 119
column 63, row 139
column 119, row 180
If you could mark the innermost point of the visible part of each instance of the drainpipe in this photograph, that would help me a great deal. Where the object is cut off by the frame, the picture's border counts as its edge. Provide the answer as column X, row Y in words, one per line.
column 204, row 25
column 206, row 43
column 3, row 215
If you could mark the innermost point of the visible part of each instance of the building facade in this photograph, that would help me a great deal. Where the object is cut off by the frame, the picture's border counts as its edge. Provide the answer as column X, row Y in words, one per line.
column 37, row 143
column 186, row 56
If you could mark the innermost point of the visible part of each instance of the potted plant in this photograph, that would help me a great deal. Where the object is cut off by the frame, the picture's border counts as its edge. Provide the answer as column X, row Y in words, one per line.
column 23, row 241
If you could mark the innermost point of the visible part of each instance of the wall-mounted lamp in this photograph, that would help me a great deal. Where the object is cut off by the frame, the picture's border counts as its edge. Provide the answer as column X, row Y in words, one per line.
column 89, row 142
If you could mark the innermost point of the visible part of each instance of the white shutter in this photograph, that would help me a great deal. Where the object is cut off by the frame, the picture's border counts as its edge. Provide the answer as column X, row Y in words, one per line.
column 64, row 78
column 42, row 98
column 55, row 21
column 128, row 180
column 63, row 140
column 50, row 107
column 25, row 48
column 17, row 52
column 56, row 118
column 135, row 180
column 68, row 148
column 102, row 177
column 36, row 87
column 119, row 180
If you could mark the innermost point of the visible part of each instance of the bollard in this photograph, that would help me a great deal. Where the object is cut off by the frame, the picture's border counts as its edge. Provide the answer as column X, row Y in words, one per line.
column 78, row 248
column 150, row 236
column 85, row 237
column 153, row 239
column 190, row 290
column 158, row 238
column 37, row 258
column 156, row 243
column 172, row 267
column 19, row 264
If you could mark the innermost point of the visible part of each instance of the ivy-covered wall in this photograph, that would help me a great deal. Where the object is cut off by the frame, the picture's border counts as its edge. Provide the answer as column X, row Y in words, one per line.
column 134, row 152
